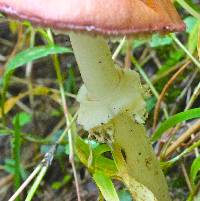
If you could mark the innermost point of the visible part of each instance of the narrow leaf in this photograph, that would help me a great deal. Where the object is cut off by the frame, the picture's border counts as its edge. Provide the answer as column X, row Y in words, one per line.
column 16, row 148
column 10, row 103
column 193, row 38
column 172, row 121
column 158, row 40
column 195, row 168
column 31, row 54
column 106, row 186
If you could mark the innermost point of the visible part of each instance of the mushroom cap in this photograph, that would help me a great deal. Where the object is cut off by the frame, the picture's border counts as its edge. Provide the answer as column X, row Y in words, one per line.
column 106, row 17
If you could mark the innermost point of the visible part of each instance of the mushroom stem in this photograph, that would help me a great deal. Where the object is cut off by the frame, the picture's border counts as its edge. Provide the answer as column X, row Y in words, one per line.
column 117, row 97
column 141, row 162
column 95, row 64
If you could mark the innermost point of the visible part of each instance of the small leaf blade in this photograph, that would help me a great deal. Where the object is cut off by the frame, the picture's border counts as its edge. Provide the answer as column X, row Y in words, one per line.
column 106, row 186
column 34, row 53
column 172, row 121
column 195, row 168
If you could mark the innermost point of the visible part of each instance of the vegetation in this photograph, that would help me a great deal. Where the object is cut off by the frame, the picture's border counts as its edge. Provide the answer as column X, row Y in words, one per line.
column 45, row 154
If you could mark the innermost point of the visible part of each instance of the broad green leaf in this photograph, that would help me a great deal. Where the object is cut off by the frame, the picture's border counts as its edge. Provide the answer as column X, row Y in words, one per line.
column 100, row 149
column 172, row 121
column 195, row 168
column 193, row 38
column 158, row 40
column 106, row 186
column 190, row 23
column 24, row 118
column 105, row 165
column 31, row 54
column 98, row 163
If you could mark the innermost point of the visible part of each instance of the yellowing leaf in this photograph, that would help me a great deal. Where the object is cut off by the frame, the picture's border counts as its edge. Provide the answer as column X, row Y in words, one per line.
column 13, row 26
column 10, row 103
column 38, row 91
column 41, row 90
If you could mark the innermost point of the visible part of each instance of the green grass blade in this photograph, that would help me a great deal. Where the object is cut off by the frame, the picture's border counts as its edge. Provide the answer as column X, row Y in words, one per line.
column 106, row 186
column 16, row 147
column 36, row 183
column 172, row 121
column 34, row 53
column 195, row 168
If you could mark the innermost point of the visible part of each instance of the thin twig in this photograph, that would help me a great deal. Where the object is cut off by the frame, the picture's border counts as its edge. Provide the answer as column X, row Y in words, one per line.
column 183, row 138
column 166, row 87
column 189, row 81
column 6, row 180
column 26, row 182
column 42, row 168
column 67, row 116
column 28, row 73
column 186, row 177
column 187, row 7
column 194, row 96
column 157, row 77
column 127, row 60
column 36, row 183
column 181, row 155
column 178, row 42
column 153, row 89
column 117, row 51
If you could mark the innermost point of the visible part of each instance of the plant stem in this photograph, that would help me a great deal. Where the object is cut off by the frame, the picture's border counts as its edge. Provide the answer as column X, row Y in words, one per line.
column 148, row 81
column 67, row 118
column 189, row 8
column 178, row 42
column 26, row 182
column 36, row 183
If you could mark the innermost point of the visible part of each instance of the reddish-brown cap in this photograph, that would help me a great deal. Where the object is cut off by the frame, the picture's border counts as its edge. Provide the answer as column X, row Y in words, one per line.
column 107, row 17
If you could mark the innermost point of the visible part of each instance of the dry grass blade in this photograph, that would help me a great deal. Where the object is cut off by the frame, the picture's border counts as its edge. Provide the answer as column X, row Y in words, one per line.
column 166, row 87
column 186, row 135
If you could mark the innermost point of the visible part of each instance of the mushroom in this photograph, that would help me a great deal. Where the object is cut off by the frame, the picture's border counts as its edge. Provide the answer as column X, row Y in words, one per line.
column 111, row 99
